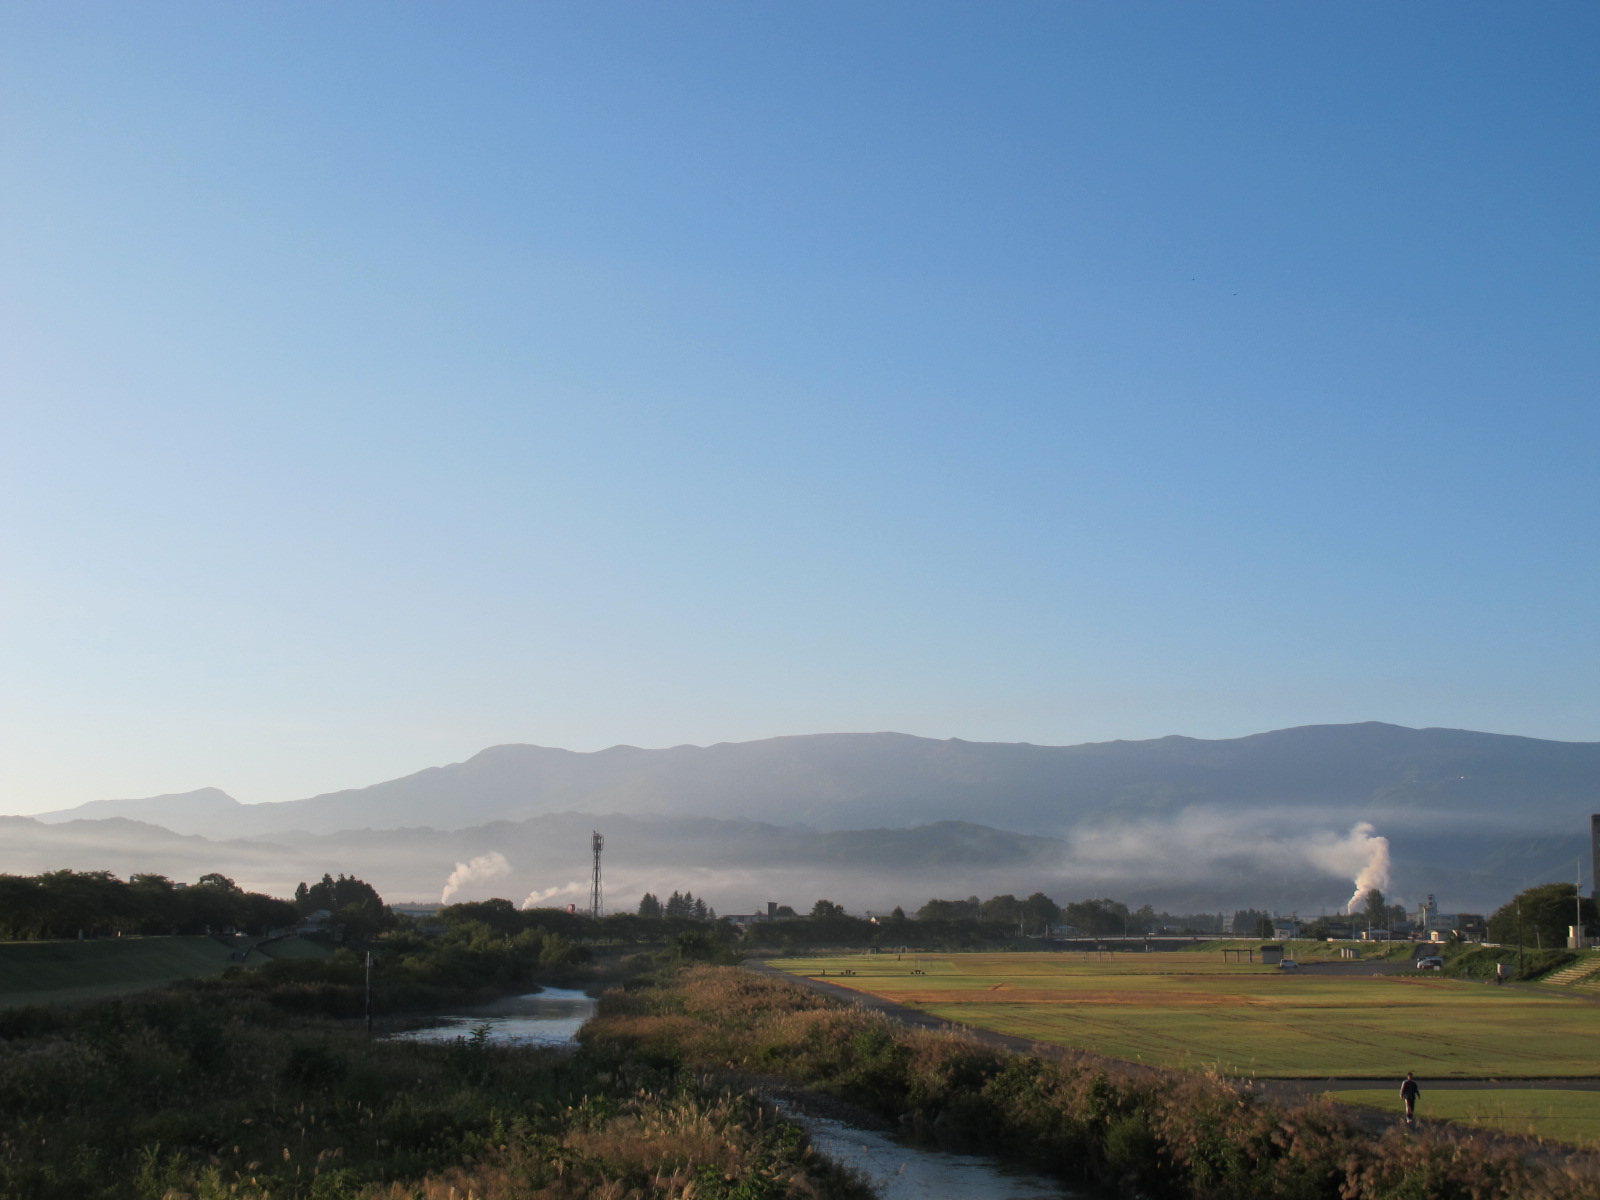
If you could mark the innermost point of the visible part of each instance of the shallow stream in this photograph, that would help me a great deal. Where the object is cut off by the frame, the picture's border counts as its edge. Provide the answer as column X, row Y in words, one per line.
column 547, row 1018
column 897, row 1170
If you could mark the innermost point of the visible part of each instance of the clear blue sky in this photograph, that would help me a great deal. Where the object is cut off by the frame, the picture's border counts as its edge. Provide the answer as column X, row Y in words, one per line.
column 382, row 381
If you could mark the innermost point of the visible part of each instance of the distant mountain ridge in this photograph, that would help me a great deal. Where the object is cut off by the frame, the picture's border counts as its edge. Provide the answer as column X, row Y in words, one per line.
column 839, row 781
column 884, row 818
column 195, row 812
column 750, row 860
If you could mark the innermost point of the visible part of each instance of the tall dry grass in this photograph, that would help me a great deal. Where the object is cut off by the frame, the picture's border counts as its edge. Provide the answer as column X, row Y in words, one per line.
column 177, row 1097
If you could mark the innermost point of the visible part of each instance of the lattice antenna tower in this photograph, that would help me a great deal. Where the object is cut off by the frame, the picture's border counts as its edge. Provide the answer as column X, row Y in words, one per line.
column 597, row 843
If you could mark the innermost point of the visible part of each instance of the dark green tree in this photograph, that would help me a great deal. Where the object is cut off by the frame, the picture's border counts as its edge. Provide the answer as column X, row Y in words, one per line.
column 949, row 910
column 1098, row 918
column 1376, row 909
column 1002, row 910
column 1247, row 922
column 1547, row 911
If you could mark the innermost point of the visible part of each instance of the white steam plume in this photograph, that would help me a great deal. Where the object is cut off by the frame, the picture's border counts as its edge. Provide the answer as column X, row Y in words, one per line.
column 1374, row 872
column 1198, row 845
column 536, row 898
column 485, row 866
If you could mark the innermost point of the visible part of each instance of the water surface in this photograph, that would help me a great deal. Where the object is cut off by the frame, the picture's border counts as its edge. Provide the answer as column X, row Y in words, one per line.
column 547, row 1018
column 896, row 1171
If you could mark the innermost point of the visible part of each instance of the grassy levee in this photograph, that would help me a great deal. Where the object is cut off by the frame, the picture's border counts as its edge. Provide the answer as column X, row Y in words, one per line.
column 1194, row 1011
column 1572, row 1118
column 68, row 972
column 1165, row 1135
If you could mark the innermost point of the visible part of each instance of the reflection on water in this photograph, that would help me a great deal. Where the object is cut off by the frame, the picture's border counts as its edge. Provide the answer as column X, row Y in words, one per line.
column 900, row 1172
column 547, row 1018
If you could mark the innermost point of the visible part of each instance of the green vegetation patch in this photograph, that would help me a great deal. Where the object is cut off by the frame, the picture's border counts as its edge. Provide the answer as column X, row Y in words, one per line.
column 215, row 1094
column 65, row 972
column 1572, row 1117
column 1191, row 1010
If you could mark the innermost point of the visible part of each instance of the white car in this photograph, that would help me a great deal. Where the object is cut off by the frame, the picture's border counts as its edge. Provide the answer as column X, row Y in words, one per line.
column 1288, row 964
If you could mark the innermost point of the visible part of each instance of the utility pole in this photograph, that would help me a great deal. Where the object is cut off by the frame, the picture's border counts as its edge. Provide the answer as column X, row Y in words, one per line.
column 597, row 844
column 1577, row 901
column 1519, row 935
column 369, row 993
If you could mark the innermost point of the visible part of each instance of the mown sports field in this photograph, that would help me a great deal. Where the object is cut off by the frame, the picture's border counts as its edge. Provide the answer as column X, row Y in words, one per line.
column 1190, row 1010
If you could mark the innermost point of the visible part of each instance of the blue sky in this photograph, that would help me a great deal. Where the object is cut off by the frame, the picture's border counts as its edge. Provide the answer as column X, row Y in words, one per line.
column 383, row 381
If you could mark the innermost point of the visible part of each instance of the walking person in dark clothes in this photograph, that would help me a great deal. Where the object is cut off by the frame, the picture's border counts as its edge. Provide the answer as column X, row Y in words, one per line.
column 1408, row 1093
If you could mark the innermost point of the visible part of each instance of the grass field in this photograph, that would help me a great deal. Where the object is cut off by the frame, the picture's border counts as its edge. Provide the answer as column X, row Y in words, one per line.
column 1188, row 1009
column 68, row 972
column 1572, row 1117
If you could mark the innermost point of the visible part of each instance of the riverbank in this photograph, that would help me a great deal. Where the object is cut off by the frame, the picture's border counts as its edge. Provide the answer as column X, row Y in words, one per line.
column 185, row 1092
column 1144, row 1131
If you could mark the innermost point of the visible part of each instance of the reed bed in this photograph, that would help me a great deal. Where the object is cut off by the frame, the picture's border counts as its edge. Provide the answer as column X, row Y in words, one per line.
column 176, row 1096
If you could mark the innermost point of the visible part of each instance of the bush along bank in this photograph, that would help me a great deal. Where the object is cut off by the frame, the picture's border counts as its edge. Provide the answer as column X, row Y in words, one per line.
column 174, row 1095
column 1163, row 1135
column 1482, row 962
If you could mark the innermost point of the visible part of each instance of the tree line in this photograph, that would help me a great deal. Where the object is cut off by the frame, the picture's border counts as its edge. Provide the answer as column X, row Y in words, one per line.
column 69, row 904
column 685, row 905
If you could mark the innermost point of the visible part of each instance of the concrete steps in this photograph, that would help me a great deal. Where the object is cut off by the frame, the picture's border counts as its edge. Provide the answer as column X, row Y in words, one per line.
column 1585, row 974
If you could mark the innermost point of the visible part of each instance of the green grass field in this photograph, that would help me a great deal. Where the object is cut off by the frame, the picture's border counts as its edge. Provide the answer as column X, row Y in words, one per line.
column 1188, row 1009
column 68, row 972
column 1571, row 1117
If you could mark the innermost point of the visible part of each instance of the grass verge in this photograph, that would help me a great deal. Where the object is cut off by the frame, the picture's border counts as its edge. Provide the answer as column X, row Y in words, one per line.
column 1572, row 1118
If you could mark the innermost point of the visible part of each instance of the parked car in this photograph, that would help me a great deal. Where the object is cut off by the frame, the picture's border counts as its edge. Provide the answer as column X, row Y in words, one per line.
column 1432, row 963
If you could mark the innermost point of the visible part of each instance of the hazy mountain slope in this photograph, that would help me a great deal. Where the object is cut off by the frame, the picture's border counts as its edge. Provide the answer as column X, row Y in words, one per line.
column 738, row 865
column 1261, row 821
column 208, row 811
column 743, row 862
column 840, row 781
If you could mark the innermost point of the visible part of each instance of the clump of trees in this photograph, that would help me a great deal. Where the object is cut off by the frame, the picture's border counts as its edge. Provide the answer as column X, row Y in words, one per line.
column 354, row 904
column 1540, row 916
column 680, row 905
column 65, row 904
column 1037, row 914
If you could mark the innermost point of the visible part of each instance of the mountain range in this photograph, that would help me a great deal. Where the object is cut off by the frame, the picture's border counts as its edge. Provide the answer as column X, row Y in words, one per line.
column 1175, row 820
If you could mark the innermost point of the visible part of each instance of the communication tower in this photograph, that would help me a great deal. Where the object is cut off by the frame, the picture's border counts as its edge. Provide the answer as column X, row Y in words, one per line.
column 1594, row 852
column 597, row 843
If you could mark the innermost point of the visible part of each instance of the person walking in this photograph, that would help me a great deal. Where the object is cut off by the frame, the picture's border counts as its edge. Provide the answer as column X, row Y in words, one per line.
column 1408, row 1093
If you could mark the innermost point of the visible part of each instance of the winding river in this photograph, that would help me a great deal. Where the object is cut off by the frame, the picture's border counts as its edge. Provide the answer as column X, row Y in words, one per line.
column 897, row 1170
